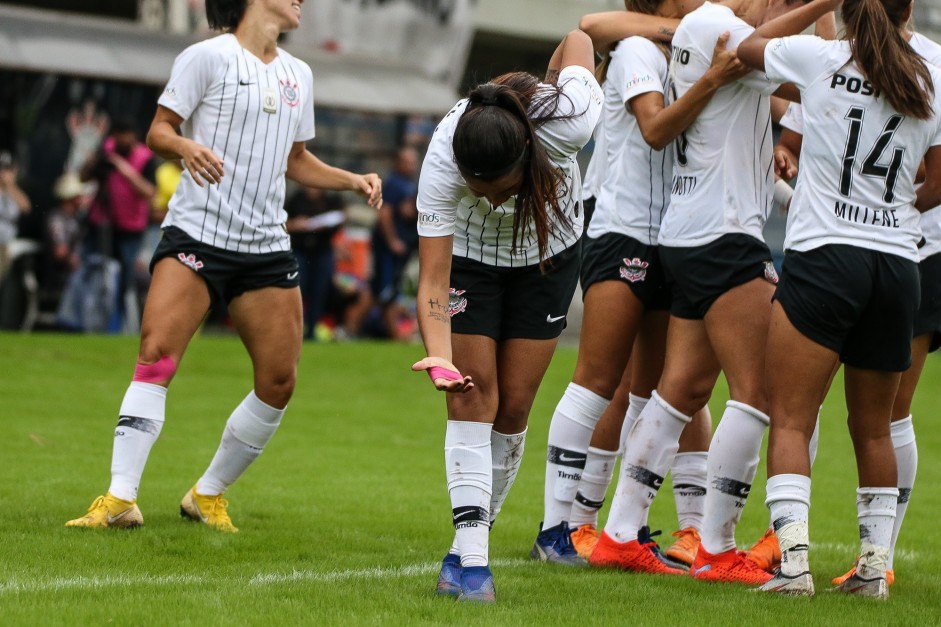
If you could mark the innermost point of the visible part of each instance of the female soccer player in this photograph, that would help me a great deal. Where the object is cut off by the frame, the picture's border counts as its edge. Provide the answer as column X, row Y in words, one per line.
column 245, row 109
column 621, row 271
column 499, row 227
column 850, row 287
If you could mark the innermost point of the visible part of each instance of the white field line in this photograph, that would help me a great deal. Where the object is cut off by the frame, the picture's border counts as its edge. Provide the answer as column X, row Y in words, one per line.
column 57, row 584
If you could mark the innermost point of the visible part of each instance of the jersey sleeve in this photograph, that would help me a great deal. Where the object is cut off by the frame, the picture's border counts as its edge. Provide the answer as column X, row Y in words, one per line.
column 638, row 68
column 798, row 59
column 738, row 31
column 580, row 104
column 305, row 128
column 190, row 79
column 793, row 118
column 440, row 184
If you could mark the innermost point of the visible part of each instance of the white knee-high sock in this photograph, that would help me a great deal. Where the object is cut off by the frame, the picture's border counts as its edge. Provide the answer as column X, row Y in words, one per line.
column 733, row 461
column 789, row 503
column 507, row 452
column 139, row 423
column 468, row 462
column 570, row 432
column 635, row 405
column 906, row 457
column 876, row 511
column 689, row 488
column 599, row 470
column 249, row 428
column 811, row 451
column 648, row 454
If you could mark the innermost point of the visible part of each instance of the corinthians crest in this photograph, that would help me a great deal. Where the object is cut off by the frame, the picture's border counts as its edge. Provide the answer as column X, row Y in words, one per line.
column 456, row 302
column 634, row 270
column 289, row 93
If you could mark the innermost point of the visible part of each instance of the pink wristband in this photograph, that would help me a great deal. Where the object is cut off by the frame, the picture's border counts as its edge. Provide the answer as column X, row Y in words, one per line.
column 437, row 372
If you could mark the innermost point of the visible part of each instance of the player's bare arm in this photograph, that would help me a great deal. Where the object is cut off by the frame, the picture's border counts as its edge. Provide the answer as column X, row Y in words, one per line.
column 305, row 168
column 660, row 124
column 164, row 139
column 434, row 321
column 610, row 26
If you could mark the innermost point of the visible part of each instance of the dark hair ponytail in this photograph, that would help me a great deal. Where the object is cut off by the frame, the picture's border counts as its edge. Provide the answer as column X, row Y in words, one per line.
column 896, row 71
column 225, row 15
column 496, row 134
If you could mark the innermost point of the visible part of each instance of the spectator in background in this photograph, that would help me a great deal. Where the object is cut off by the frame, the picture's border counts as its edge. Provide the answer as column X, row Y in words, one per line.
column 13, row 204
column 64, row 232
column 395, row 239
column 125, row 171
column 314, row 217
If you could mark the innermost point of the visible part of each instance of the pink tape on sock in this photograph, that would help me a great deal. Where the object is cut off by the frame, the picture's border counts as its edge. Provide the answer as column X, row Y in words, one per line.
column 437, row 372
column 155, row 373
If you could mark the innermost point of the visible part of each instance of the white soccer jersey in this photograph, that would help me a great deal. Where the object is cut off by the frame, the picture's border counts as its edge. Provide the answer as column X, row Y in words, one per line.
column 249, row 114
column 859, row 156
column 483, row 232
column 722, row 176
column 636, row 191
column 793, row 118
column 930, row 220
column 597, row 168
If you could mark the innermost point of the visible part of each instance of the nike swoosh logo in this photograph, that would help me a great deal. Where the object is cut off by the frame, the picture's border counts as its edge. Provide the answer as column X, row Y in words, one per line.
column 112, row 519
column 291, row 275
column 555, row 319
column 464, row 516
column 702, row 569
column 244, row 83
column 565, row 458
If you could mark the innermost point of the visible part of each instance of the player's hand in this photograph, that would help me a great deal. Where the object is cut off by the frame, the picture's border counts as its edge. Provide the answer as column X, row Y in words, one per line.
column 725, row 66
column 370, row 186
column 201, row 163
column 444, row 375
column 785, row 165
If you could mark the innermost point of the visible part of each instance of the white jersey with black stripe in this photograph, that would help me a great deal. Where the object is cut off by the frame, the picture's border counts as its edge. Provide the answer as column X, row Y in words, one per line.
column 636, row 190
column 249, row 114
column 722, row 168
column 858, row 157
column 930, row 220
column 485, row 233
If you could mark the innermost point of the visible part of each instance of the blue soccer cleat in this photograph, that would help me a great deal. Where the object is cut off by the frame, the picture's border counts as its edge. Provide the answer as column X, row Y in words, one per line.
column 555, row 545
column 449, row 577
column 477, row 585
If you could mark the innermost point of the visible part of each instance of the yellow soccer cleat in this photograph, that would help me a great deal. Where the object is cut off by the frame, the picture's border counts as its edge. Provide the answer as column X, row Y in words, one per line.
column 207, row 509
column 110, row 511
column 685, row 547
column 585, row 538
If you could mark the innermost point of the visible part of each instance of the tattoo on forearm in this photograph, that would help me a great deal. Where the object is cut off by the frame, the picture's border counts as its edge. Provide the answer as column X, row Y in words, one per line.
column 669, row 32
column 440, row 316
column 436, row 305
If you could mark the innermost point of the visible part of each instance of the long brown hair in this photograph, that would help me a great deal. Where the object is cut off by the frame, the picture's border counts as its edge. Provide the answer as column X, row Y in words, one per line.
column 497, row 132
column 888, row 61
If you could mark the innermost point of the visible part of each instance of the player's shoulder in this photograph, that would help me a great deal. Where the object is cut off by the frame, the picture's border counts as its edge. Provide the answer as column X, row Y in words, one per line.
column 213, row 48
column 289, row 59
column 927, row 48
column 707, row 18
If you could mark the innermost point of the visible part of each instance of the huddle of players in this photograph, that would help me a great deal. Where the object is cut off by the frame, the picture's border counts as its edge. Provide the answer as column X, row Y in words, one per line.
column 676, row 235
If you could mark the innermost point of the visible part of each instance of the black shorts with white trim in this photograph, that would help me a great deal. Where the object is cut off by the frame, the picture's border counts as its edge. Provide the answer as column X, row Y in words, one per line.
column 227, row 274
column 699, row 275
column 504, row 303
column 857, row 302
column 618, row 257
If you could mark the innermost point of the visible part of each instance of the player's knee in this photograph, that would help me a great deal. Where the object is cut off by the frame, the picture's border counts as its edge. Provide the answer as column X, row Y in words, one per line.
column 278, row 388
column 687, row 398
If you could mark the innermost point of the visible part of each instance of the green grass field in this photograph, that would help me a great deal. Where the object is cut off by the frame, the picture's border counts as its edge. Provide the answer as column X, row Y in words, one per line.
column 345, row 516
